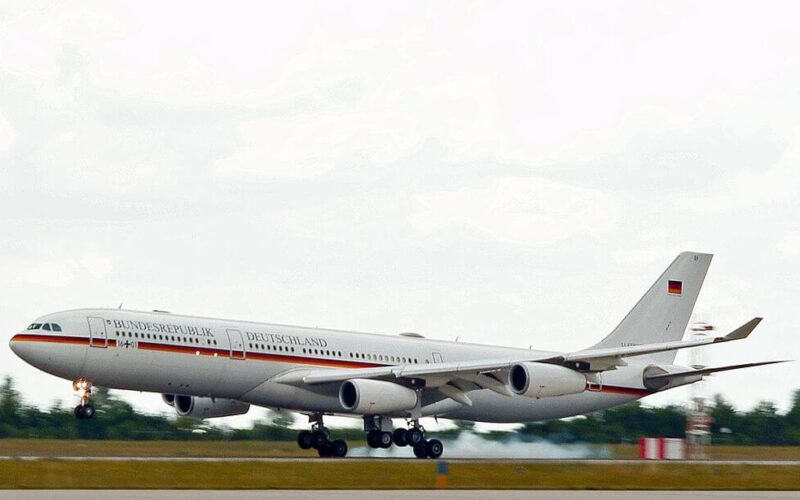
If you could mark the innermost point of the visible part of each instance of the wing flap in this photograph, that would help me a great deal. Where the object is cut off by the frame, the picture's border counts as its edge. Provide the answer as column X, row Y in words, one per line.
column 406, row 371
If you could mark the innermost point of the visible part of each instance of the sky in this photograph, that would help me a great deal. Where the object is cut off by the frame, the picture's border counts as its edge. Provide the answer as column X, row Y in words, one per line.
column 516, row 173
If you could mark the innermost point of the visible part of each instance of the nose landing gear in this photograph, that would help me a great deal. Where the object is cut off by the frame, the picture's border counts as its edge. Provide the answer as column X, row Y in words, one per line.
column 83, row 388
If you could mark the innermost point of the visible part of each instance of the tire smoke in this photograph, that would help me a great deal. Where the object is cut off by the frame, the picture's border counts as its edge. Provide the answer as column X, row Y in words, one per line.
column 472, row 445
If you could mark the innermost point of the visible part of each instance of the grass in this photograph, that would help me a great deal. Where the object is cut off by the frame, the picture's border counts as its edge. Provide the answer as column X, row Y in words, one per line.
column 99, row 448
column 631, row 451
column 392, row 474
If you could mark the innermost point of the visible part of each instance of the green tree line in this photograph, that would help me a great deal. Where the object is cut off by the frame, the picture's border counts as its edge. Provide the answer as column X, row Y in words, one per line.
column 116, row 419
column 762, row 425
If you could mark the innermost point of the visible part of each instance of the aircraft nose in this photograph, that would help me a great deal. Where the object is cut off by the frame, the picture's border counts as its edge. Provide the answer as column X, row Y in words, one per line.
column 14, row 345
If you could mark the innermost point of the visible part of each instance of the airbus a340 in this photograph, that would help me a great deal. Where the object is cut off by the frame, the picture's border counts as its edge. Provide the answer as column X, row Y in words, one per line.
column 207, row 367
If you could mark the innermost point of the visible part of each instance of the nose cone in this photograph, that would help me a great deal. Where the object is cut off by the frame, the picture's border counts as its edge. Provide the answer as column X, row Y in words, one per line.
column 13, row 343
column 34, row 353
column 17, row 347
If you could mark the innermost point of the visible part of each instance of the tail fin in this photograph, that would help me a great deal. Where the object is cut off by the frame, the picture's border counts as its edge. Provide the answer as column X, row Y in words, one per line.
column 663, row 313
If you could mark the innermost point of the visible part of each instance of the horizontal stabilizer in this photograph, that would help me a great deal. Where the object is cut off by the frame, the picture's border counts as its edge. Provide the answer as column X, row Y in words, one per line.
column 707, row 371
column 606, row 358
column 744, row 331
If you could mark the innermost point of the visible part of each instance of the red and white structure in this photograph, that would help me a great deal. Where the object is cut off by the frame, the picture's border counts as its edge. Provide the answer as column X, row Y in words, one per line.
column 662, row 449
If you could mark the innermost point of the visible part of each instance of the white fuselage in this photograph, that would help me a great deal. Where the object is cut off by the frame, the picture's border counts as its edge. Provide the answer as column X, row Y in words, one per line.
column 207, row 357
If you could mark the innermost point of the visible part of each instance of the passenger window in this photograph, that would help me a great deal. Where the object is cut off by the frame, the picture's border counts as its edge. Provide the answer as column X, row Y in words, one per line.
column 46, row 327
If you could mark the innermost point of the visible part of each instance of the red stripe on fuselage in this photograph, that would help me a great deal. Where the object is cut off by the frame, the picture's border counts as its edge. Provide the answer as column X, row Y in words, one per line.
column 57, row 339
column 199, row 350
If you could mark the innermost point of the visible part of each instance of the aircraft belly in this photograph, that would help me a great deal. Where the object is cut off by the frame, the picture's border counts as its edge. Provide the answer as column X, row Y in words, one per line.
column 241, row 375
column 61, row 360
column 323, row 398
column 186, row 373
column 119, row 368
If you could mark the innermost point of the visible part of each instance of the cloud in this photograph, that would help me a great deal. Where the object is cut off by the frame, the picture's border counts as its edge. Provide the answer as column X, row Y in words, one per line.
column 365, row 166
column 529, row 210
column 7, row 135
column 55, row 268
column 789, row 244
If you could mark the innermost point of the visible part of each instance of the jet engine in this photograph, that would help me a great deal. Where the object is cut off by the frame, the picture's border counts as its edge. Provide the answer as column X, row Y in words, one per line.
column 541, row 380
column 169, row 399
column 194, row 407
column 373, row 397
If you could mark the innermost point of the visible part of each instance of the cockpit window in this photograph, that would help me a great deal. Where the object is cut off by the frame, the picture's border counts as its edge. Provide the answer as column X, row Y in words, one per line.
column 35, row 326
column 56, row 327
column 46, row 327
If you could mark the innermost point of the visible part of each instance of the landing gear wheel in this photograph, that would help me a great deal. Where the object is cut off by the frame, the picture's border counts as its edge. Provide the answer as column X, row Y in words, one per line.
column 414, row 436
column 339, row 448
column 326, row 449
column 399, row 437
column 421, row 450
column 304, row 440
column 434, row 448
column 385, row 439
column 318, row 438
column 84, row 411
column 88, row 411
column 373, row 439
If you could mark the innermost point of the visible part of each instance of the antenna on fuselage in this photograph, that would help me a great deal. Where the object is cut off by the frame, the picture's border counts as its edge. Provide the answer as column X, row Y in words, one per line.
column 119, row 306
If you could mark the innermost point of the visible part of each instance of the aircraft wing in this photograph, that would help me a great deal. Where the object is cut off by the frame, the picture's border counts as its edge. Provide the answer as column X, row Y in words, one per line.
column 709, row 371
column 492, row 374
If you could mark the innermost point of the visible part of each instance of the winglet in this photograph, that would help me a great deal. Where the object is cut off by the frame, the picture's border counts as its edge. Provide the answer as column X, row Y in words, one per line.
column 743, row 331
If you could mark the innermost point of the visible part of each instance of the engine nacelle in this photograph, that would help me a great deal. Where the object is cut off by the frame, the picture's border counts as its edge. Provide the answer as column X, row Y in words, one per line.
column 168, row 398
column 541, row 380
column 194, row 407
column 375, row 397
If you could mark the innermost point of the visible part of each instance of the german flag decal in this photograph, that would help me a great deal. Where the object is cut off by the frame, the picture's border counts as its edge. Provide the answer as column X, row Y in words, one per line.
column 675, row 287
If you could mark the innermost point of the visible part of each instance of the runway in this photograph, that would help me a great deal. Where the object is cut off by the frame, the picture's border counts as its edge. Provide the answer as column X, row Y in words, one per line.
column 390, row 494
column 178, row 474
column 314, row 460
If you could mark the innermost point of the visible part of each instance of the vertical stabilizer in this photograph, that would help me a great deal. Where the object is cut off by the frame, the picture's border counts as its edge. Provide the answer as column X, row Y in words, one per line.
column 662, row 314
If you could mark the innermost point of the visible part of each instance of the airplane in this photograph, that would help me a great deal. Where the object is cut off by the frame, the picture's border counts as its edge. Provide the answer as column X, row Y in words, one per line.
column 209, row 367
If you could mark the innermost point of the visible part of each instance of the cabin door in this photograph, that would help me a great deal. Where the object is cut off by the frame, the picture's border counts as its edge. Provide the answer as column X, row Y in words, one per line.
column 237, row 344
column 97, row 332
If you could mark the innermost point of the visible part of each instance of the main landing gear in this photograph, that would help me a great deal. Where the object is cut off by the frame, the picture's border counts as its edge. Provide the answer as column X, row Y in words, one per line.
column 319, row 439
column 84, row 410
column 414, row 437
